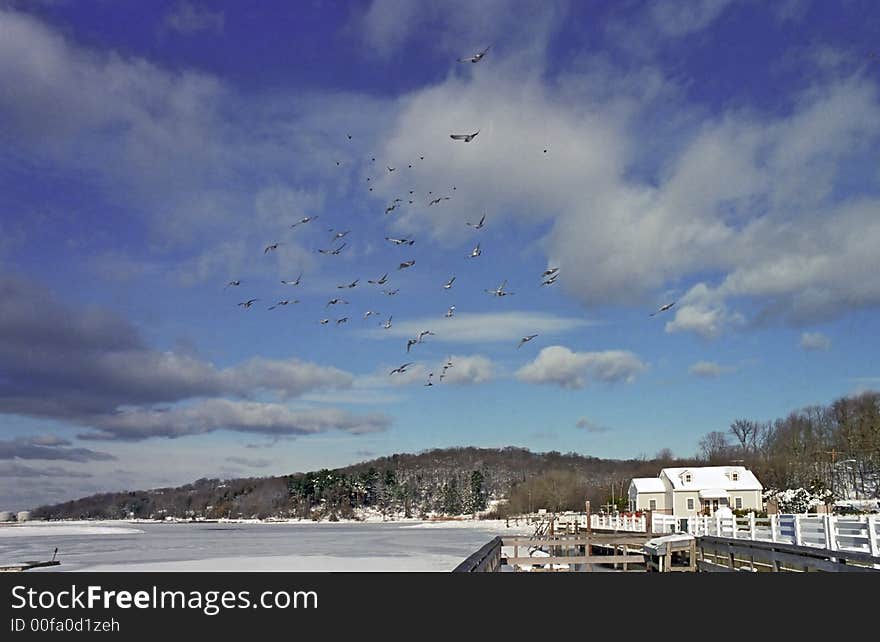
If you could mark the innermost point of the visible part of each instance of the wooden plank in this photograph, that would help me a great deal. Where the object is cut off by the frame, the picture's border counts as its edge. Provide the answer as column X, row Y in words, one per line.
column 806, row 551
column 779, row 559
column 578, row 559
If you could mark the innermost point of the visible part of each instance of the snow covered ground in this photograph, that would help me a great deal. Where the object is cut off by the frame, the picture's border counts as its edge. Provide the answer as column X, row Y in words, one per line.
column 279, row 546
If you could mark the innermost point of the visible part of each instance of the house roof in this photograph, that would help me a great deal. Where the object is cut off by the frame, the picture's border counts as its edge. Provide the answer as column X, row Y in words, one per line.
column 649, row 485
column 712, row 477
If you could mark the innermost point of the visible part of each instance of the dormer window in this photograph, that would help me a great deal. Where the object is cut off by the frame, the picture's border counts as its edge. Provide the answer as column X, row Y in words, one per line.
column 734, row 476
column 688, row 478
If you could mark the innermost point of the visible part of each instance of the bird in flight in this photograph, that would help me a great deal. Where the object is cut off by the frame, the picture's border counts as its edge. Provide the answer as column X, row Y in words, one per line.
column 410, row 343
column 399, row 241
column 551, row 280
column 335, row 301
column 342, row 320
column 525, row 340
column 465, row 137
column 438, row 199
column 296, row 282
column 338, row 235
column 406, row 264
column 248, row 303
column 449, row 283
column 324, row 321
column 663, row 308
column 478, row 226
column 353, row 284
column 390, row 169
column 499, row 291
column 305, row 219
column 450, row 312
column 380, row 281
column 550, row 271
column 236, row 282
column 336, row 251
column 391, row 292
column 429, row 382
column 423, row 334
column 387, row 324
column 284, row 302
column 477, row 57
column 369, row 313
column 390, row 208
column 274, row 246
column 475, row 252
column 401, row 369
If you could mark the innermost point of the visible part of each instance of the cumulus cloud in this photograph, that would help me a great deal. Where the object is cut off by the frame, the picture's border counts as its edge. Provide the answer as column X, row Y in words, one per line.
column 188, row 18
column 709, row 369
column 94, row 369
column 483, row 327
column 560, row 366
column 466, row 370
column 815, row 341
column 585, row 424
column 755, row 200
column 224, row 414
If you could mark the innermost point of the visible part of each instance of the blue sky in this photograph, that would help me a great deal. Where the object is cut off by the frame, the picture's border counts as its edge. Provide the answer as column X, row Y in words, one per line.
column 718, row 154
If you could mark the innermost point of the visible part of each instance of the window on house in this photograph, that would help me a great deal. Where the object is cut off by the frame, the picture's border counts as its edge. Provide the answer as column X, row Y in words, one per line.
column 737, row 502
column 734, row 476
column 652, row 504
column 687, row 478
column 690, row 503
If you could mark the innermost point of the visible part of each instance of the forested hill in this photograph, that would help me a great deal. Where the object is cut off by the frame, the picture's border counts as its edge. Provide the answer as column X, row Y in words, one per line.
column 446, row 481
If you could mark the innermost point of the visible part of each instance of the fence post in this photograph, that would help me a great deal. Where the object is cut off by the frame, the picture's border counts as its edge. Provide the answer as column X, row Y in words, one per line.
column 734, row 527
column 752, row 534
column 717, row 525
column 872, row 535
column 830, row 535
column 773, row 526
column 797, row 530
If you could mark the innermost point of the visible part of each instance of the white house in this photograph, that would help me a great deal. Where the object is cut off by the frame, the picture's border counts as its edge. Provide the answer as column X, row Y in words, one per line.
column 696, row 490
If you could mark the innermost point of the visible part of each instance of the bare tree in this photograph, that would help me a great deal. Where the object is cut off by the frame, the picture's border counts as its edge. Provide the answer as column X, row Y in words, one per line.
column 714, row 447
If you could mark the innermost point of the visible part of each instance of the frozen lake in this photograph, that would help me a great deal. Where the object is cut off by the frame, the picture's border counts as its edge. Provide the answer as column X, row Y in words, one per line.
column 305, row 546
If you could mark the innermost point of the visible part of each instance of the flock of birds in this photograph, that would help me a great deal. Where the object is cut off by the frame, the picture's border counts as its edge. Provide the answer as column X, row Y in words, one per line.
column 548, row 277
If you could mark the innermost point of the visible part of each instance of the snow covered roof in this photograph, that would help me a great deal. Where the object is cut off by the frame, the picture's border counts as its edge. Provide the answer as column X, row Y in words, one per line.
column 712, row 477
column 649, row 485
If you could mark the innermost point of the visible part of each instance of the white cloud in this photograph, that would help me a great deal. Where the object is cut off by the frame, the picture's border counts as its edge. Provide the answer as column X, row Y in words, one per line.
column 482, row 327
column 560, row 366
column 680, row 17
column 815, row 341
column 709, row 369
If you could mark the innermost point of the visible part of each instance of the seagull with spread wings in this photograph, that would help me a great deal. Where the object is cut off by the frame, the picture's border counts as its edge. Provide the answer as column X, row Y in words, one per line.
column 477, row 57
column 236, row 282
column 448, row 284
column 499, row 291
column 335, row 302
column 295, row 282
column 465, row 137
column 401, row 369
column 475, row 252
column 410, row 343
column 387, row 324
column 273, row 246
column 380, row 281
column 406, row 264
column 551, row 280
column 304, row 219
column 284, row 302
column 353, row 284
column 438, row 199
column 663, row 308
column 450, row 312
column 399, row 241
column 478, row 226
column 391, row 292
column 248, row 303
column 525, row 340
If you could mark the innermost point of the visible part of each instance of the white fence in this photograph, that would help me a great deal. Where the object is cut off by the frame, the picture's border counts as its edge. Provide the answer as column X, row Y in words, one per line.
column 837, row 533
